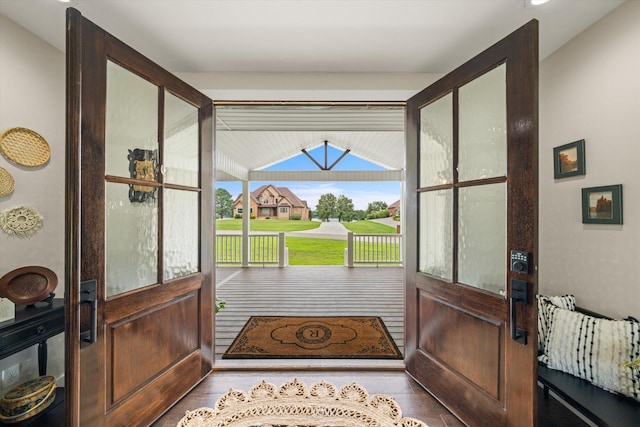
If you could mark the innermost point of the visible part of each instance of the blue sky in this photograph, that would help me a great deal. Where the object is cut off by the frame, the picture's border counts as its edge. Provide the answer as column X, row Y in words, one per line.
column 362, row 193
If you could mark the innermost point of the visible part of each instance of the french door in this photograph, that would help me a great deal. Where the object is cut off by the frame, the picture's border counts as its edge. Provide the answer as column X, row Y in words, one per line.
column 139, row 294
column 471, row 212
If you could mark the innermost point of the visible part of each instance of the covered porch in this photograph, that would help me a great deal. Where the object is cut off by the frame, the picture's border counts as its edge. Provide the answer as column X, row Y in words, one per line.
column 307, row 291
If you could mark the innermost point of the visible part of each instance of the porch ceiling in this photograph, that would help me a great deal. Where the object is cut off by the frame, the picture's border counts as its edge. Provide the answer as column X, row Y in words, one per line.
column 255, row 137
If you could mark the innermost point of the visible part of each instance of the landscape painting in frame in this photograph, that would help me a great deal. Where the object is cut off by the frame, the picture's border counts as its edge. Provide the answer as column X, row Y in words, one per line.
column 602, row 205
column 568, row 160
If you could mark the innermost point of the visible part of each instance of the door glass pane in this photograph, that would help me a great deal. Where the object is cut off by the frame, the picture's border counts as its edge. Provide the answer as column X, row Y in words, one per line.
column 436, row 142
column 482, row 236
column 181, row 158
column 181, row 233
column 131, row 132
column 131, row 240
column 435, row 244
column 483, row 127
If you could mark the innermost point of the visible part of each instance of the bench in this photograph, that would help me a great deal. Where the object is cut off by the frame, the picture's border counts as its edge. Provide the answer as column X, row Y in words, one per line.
column 596, row 404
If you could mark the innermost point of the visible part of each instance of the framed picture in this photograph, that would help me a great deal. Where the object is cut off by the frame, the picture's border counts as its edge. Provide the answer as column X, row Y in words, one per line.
column 568, row 160
column 602, row 205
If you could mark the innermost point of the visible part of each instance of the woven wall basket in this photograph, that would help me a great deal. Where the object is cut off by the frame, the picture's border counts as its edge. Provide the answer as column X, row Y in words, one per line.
column 6, row 182
column 24, row 147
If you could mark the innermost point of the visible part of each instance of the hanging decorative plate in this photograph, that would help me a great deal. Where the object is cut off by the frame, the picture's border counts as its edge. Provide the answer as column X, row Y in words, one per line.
column 6, row 182
column 22, row 221
column 24, row 147
column 28, row 285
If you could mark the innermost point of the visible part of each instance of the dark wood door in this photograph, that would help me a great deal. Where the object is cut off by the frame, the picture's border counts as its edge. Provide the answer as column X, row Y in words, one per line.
column 140, row 202
column 472, row 141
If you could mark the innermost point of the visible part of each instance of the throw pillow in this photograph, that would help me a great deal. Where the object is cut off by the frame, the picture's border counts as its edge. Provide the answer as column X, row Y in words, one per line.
column 563, row 301
column 601, row 351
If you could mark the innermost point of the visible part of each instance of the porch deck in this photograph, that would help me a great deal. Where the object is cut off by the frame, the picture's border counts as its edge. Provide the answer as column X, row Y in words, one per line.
column 308, row 291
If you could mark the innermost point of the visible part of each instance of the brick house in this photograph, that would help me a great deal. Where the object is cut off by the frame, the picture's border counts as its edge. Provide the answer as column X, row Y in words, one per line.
column 273, row 202
column 393, row 208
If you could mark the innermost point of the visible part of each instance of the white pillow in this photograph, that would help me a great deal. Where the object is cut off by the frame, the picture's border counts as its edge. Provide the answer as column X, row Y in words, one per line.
column 597, row 350
column 563, row 301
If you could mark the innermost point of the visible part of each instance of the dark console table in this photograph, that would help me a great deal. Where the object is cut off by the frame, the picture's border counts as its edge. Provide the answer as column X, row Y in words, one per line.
column 32, row 325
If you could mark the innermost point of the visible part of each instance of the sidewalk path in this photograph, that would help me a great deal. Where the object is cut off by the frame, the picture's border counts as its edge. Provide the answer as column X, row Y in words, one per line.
column 327, row 230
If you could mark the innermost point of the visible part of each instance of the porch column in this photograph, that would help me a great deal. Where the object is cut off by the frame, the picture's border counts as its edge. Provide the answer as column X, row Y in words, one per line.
column 246, row 213
column 402, row 218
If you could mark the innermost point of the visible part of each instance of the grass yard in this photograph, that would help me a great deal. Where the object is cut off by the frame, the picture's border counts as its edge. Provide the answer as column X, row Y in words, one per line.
column 304, row 251
column 369, row 227
column 274, row 225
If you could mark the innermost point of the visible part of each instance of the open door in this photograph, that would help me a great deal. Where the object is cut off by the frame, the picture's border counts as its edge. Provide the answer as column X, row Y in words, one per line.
column 139, row 296
column 471, row 212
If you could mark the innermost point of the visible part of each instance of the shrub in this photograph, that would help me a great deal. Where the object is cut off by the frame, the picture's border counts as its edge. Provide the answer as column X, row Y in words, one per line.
column 252, row 216
column 237, row 216
column 296, row 216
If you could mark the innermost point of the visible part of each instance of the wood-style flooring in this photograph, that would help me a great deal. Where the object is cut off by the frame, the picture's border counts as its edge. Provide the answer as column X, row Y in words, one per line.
column 412, row 398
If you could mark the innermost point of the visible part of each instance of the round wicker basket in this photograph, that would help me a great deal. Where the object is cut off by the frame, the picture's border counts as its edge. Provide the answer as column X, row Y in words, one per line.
column 24, row 147
column 6, row 182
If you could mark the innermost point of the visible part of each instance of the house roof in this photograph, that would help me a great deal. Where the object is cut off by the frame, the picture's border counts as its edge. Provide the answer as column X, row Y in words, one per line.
column 281, row 191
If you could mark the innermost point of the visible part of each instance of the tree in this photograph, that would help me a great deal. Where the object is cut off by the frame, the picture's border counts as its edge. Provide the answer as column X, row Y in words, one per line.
column 326, row 206
column 224, row 203
column 344, row 208
column 376, row 206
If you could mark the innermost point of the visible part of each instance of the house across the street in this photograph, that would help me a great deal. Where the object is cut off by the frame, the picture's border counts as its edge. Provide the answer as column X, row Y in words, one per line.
column 269, row 201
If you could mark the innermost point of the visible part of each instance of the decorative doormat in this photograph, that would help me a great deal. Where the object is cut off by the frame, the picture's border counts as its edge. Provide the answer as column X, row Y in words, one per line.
column 294, row 404
column 344, row 337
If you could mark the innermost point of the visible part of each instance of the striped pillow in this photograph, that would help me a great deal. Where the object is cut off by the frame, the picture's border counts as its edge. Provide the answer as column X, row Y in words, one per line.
column 600, row 351
column 564, row 301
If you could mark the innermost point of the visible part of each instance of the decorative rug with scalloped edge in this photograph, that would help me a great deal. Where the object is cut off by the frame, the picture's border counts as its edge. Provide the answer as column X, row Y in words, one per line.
column 337, row 337
column 294, row 404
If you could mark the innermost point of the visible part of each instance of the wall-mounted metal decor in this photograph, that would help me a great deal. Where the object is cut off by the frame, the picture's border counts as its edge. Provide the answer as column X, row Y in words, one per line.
column 143, row 165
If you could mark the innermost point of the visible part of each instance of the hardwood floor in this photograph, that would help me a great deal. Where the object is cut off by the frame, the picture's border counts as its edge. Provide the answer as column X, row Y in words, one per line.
column 412, row 398
column 414, row 401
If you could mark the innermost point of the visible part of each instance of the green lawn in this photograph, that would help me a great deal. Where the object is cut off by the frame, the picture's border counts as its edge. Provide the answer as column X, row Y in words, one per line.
column 274, row 225
column 307, row 251
column 369, row 227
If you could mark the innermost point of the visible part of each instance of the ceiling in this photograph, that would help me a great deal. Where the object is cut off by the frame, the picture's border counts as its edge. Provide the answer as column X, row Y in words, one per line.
column 416, row 36
column 310, row 36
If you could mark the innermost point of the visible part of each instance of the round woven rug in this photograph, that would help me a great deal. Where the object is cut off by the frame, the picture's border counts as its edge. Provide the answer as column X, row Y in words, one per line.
column 295, row 404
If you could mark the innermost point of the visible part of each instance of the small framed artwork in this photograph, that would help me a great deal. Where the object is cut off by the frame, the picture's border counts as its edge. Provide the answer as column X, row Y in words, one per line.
column 602, row 205
column 568, row 160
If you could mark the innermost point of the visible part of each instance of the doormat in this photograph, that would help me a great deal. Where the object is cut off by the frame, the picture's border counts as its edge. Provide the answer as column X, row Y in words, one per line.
column 343, row 337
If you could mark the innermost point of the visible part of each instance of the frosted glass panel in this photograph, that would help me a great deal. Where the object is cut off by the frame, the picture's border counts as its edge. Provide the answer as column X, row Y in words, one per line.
column 483, row 127
column 131, row 241
column 131, row 124
column 181, row 160
column 482, row 237
column 435, row 244
column 436, row 142
column 181, row 233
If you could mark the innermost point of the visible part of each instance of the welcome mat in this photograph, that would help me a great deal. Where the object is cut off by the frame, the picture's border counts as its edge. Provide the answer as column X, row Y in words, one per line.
column 342, row 337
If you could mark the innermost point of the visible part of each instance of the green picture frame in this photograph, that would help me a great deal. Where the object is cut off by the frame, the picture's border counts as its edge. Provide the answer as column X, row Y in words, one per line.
column 602, row 205
column 569, row 160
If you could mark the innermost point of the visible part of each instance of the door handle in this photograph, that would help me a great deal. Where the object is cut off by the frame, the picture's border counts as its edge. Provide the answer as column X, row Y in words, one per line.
column 89, row 295
column 518, row 293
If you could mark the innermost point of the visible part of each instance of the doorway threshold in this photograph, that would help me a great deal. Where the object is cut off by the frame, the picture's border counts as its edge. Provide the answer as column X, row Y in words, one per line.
column 309, row 364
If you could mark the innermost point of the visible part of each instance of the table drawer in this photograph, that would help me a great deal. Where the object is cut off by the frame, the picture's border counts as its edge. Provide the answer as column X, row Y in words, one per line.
column 30, row 334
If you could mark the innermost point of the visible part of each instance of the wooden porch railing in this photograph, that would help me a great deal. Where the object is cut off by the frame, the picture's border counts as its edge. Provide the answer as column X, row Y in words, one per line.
column 373, row 249
column 264, row 249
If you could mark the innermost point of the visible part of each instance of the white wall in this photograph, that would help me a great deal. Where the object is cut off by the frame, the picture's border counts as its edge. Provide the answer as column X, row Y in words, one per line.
column 590, row 89
column 32, row 95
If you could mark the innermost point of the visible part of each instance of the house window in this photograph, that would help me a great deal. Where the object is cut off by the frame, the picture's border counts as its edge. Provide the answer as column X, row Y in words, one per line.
column 265, row 201
column 239, row 210
column 284, row 210
column 265, row 211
